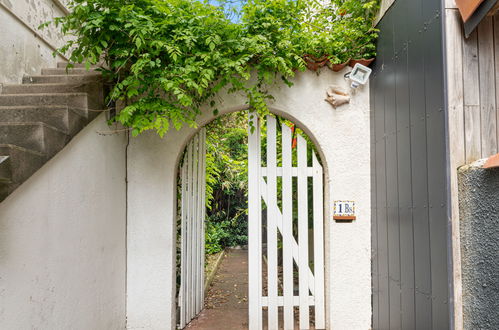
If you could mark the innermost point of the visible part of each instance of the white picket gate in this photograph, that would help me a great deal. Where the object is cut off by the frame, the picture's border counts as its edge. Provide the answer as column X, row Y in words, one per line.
column 263, row 185
column 193, row 183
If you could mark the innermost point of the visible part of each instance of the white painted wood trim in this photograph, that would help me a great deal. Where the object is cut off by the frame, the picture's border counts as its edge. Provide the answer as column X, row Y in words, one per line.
column 287, row 228
column 272, row 279
column 254, row 225
column 303, row 266
column 318, row 214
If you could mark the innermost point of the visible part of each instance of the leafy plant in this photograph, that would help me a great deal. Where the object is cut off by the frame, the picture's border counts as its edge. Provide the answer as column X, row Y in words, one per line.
column 166, row 59
column 226, row 184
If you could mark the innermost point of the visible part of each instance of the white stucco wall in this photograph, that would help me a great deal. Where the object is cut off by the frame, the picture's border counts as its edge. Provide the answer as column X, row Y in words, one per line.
column 62, row 239
column 22, row 52
column 341, row 135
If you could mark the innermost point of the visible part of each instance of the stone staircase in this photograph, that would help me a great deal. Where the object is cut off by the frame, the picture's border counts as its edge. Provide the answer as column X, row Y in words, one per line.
column 40, row 116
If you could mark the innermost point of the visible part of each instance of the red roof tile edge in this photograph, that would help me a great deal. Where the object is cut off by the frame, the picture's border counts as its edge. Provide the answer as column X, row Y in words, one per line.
column 492, row 162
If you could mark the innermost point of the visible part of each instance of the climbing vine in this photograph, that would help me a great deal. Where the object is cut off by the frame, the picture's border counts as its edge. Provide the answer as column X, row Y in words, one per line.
column 166, row 59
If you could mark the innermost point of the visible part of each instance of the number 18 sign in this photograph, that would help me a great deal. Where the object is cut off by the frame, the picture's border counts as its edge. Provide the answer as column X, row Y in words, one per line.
column 344, row 210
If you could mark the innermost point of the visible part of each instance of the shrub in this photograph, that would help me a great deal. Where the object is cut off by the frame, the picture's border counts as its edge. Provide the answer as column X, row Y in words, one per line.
column 166, row 59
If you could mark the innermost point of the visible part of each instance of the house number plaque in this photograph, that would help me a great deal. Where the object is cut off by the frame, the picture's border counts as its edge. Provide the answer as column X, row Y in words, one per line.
column 344, row 211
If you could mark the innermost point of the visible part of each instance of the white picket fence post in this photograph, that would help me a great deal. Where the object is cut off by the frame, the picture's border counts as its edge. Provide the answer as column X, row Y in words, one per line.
column 310, row 283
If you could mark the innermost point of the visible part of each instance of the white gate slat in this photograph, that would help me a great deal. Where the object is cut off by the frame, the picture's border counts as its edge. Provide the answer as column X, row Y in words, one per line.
column 200, row 222
column 183, row 244
column 203, row 211
column 194, row 226
column 271, row 223
column 303, row 267
column 287, row 228
column 254, row 225
column 294, row 249
column 318, row 212
column 189, row 234
column 193, row 196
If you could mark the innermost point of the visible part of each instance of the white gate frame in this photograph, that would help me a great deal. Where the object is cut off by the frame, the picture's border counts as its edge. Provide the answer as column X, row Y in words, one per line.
column 309, row 281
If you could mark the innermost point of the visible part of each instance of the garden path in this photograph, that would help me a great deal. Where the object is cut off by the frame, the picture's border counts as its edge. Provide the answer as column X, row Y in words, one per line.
column 226, row 303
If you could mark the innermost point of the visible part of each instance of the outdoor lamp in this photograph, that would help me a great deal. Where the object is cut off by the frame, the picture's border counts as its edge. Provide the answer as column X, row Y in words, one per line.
column 359, row 75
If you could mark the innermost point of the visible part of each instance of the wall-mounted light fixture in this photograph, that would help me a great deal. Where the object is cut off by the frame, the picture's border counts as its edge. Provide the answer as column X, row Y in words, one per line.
column 359, row 75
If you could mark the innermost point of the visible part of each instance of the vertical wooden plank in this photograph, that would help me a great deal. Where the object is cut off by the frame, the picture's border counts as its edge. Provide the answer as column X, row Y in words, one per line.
column 203, row 213
column 455, row 99
column 189, row 236
column 287, row 228
column 392, row 211
column 183, row 245
column 318, row 213
column 303, row 267
column 254, row 224
column 382, row 294
column 419, row 170
column 487, row 87
column 471, row 99
column 271, row 223
column 195, row 235
column 373, row 91
column 199, row 222
column 496, row 68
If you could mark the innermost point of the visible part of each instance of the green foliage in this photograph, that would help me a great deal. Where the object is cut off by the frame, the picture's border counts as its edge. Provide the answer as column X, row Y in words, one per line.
column 166, row 59
column 226, row 182
column 342, row 29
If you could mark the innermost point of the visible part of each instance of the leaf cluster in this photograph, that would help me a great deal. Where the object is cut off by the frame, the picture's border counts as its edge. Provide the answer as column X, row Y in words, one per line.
column 226, row 182
column 166, row 59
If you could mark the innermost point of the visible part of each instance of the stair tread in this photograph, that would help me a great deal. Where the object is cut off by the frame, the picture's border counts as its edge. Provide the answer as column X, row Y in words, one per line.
column 34, row 123
column 45, row 84
column 47, row 106
column 68, row 71
column 41, row 106
column 77, row 65
column 91, row 73
column 22, row 149
column 39, row 116
column 44, row 94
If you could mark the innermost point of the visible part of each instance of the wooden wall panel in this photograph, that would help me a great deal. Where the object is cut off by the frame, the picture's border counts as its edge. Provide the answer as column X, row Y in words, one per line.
column 473, row 111
column 479, row 57
column 496, row 70
column 487, row 87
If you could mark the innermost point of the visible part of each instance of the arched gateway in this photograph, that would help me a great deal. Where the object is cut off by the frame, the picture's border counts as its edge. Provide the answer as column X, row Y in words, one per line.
column 342, row 141
column 285, row 204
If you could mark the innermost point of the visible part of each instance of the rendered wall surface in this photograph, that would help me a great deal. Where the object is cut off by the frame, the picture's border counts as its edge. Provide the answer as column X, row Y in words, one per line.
column 342, row 137
column 479, row 227
column 62, row 239
column 410, row 203
column 21, row 51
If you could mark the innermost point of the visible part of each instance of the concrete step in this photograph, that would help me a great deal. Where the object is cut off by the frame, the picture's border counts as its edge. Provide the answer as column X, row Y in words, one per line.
column 94, row 89
column 63, row 65
column 62, row 79
column 65, row 71
column 6, row 189
column 38, row 137
column 77, row 101
column 23, row 162
column 5, row 169
column 59, row 116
